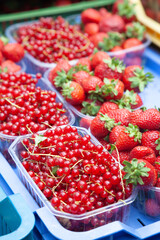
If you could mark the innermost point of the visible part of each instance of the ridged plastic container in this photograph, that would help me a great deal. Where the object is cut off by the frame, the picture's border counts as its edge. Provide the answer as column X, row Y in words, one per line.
column 33, row 65
column 16, row 219
column 82, row 120
column 6, row 140
column 118, row 211
column 130, row 56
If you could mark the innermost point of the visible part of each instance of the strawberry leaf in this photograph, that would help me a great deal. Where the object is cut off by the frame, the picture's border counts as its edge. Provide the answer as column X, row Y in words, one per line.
column 80, row 67
column 115, row 64
column 4, row 39
column 90, row 108
column 114, row 39
column 109, row 87
column 67, row 90
column 126, row 9
column 109, row 123
column 140, row 79
column 134, row 131
column 136, row 30
column 39, row 139
column 96, row 94
column 128, row 99
column 158, row 144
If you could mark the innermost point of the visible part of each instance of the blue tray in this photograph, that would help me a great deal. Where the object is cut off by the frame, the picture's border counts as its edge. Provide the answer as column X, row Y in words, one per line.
column 47, row 226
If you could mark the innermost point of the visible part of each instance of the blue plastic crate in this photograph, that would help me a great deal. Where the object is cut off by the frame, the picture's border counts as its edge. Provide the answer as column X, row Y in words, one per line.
column 16, row 219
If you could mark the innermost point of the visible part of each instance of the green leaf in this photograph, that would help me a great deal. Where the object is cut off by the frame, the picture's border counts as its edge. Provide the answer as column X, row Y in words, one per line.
column 90, row 108
column 114, row 39
column 134, row 131
column 39, row 139
column 67, row 90
column 109, row 87
column 115, row 64
column 109, row 123
column 80, row 67
column 4, row 39
column 126, row 9
column 128, row 164
column 136, row 30
column 54, row 170
column 96, row 94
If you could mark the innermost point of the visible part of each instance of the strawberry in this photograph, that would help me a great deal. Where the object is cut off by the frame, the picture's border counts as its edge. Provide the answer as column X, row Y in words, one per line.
column 140, row 172
column 10, row 66
column 79, row 76
column 107, row 106
column 62, row 64
column 157, row 166
column 149, row 119
column 73, row 92
column 118, row 55
column 98, row 37
column 112, row 89
column 104, row 13
column 85, row 122
column 114, row 23
column 142, row 152
column 128, row 138
column 134, row 118
column 91, row 28
column 1, row 57
column 125, row 9
column 122, row 156
column 114, row 134
column 110, row 68
column 120, row 115
column 3, row 41
column 13, row 51
column 129, row 100
column 90, row 107
column 131, row 42
column 85, row 62
column 90, row 15
column 98, row 57
column 114, row 39
column 151, row 139
column 90, row 83
column 1, row 44
column 135, row 30
column 135, row 79
column 101, row 125
column 152, row 208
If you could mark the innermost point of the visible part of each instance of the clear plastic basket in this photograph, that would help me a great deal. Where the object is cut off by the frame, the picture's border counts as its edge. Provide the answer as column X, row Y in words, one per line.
column 6, row 140
column 116, row 212
column 130, row 56
column 33, row 65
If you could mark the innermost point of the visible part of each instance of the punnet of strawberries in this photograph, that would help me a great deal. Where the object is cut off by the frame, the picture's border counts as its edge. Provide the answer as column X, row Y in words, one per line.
column 10, row 54
column 25, row 108
column 98, row 83
column 113, row 31
column 76, row 175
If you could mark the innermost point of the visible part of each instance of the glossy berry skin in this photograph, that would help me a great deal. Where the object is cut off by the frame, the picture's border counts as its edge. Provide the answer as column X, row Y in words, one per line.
column 114, row 23
column 152, row 208
column 91, row 28
column 90, row 83
column 131, row 42
column 108, row 106
column 149, row 119
column 11, row 66
column 149, row 139
column 80, row 76
column 128, row 73
column 13, row 51
column 142, row 152
column 98, row 37
column 120, row 115
column 98, row 57
column 90, row 15
column 84, row 62
column 97, row 127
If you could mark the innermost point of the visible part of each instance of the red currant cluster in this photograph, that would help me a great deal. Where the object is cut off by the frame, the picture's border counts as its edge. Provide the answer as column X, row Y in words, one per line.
column 50, row 40
column 75, row 175
column 25, row 108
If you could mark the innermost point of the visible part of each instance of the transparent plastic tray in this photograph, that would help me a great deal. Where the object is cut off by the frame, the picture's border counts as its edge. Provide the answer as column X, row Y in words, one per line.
column 82, row 120
column 33, row 65
column 6, row 140
column 117, row 211
column 130, row 56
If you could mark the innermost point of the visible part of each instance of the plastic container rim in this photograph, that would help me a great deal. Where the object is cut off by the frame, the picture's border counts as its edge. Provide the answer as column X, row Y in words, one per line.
column 9, row 137
column 44, row 199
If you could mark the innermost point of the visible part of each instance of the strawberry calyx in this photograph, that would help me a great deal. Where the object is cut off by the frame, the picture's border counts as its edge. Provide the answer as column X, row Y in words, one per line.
column 64, row 77
column 67, row 90
column 96, row 94
column 133, row 131
column 126, row 9
column 4, row 39
column 137, row 30
column 134, row 171
column 4, row 70
column 90, row 108
column 109, row 123
column 158, row 144
column 140, row 79
column 114, row 39
column 128, row 99
column 109, row 87
column 115, row 64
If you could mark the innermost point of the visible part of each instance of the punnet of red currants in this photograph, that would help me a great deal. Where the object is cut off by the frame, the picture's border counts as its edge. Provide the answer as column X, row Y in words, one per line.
column 25, row 108
column 49, row 40
column 77, row 176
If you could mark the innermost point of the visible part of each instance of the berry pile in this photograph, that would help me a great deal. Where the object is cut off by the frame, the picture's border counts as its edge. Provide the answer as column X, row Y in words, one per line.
column 10, row 54
column 50, row 40
column 74, row 174
column 97, row 80
column 113, row 31
column 25, row 108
